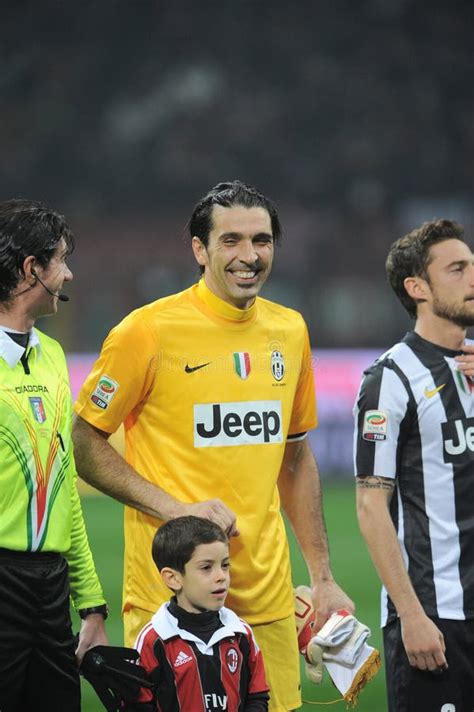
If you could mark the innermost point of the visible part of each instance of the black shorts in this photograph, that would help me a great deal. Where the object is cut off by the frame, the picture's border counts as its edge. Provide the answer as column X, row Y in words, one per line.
column 413, row 690
column 38, row 670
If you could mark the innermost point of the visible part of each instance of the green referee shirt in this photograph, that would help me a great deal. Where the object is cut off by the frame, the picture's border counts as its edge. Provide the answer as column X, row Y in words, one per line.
column 40, row 508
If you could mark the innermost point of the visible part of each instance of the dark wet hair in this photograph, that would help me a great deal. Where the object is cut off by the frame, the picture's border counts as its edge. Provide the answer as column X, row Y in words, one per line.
column 28, row 227
column 228, row 195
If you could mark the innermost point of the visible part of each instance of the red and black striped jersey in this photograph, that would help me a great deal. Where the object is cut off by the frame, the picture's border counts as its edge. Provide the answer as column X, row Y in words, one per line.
column 225, row 673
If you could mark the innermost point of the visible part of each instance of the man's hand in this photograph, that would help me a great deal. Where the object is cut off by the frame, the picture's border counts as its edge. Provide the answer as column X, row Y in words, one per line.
column 92, row 633
column 327, row 598
column 424, row 643
column 216, row 511
column 465, row 362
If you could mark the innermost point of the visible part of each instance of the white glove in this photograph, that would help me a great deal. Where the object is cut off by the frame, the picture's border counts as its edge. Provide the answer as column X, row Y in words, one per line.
column 347, row 657
column 342, row 637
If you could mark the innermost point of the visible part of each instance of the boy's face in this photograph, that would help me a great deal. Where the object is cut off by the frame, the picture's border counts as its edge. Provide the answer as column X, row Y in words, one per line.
column 206, row 578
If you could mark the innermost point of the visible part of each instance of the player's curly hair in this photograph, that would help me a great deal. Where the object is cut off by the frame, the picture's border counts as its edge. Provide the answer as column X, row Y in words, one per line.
column 27, row 227
column 229, row 194
column 174, row 543
column 409, row 256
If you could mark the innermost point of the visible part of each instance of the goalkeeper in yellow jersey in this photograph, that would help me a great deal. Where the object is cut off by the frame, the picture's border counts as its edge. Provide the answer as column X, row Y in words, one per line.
column 215, row 390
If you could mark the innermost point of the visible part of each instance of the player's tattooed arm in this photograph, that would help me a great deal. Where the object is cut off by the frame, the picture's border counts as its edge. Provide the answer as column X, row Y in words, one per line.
column 422, row 640
column 375, row 489
column 373, row 482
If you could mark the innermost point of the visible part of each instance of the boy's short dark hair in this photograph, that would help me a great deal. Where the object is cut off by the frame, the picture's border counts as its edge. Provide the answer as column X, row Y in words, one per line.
column 174, row 543
column 410, row 256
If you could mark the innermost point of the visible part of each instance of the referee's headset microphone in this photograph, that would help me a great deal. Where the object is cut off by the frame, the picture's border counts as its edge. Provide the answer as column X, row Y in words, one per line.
column 61, row 297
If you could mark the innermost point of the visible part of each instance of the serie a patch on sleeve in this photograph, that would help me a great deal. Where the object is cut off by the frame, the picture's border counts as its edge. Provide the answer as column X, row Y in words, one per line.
column 104, row 391
column 375, row 425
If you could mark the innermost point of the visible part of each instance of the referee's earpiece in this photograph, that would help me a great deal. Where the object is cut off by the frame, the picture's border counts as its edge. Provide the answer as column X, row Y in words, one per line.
column 61, row 297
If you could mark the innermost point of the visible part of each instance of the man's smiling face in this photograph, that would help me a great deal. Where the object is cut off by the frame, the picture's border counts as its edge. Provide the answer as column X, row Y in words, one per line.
column 239, row 254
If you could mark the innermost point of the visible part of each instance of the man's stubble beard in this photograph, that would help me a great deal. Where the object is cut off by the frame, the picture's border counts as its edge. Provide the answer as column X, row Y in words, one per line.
column 460, row 316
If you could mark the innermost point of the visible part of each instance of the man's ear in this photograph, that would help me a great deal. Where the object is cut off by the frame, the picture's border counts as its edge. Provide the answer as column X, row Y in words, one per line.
column 199, row 250
column 417, row 288
column 29, row 266
column 172, row 578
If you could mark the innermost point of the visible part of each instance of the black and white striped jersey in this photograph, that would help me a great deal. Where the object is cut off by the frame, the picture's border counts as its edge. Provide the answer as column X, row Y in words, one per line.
column 414, row 422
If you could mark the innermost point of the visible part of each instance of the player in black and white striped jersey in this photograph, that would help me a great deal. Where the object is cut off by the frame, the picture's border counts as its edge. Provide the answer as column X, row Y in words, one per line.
column 414, row 462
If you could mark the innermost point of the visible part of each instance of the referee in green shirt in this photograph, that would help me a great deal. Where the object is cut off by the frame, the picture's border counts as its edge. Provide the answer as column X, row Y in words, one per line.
column 44, row 552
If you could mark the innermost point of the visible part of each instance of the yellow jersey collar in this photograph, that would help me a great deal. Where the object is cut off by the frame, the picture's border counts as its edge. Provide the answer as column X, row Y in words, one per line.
column 222, row 308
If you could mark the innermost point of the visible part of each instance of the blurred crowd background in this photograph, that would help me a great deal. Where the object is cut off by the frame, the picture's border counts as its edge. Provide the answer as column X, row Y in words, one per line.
column 357, row 118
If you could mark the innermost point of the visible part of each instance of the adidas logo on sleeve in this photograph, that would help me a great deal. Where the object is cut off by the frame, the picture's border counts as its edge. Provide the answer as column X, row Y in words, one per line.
column 181, row 659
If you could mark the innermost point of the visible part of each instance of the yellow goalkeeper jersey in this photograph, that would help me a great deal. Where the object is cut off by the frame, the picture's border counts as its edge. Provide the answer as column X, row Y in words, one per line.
column 208, row 394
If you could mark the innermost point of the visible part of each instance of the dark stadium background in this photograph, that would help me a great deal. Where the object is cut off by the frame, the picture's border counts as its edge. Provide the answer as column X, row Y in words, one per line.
column 357, row 118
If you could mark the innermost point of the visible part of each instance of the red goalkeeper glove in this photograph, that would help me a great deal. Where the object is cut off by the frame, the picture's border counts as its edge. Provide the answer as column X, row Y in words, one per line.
column 305, row 616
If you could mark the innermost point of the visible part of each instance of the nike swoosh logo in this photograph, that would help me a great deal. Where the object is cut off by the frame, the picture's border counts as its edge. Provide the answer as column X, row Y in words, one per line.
column 190, row 369
column 430, row 392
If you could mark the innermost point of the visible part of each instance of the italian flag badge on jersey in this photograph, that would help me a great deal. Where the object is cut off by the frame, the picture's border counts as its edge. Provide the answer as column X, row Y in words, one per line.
column 465, row 382
column 242, row 363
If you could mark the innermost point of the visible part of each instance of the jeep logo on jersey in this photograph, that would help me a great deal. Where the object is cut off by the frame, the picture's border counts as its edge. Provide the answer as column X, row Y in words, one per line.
column 241, row 423
column 278, row 365
column 458, row 436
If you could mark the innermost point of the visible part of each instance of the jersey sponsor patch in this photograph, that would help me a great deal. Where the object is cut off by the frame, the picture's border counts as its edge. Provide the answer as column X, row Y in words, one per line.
column 104, row 391
column 375, row 425
column 458, row 439
column 31, row 389
column 241, row 423
column 215, row 702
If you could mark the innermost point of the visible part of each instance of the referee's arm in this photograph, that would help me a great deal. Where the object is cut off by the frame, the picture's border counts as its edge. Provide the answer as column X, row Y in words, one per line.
column 424, row 643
